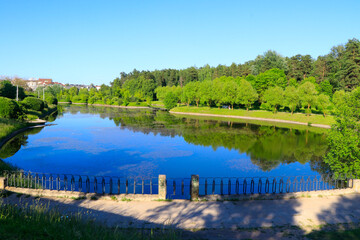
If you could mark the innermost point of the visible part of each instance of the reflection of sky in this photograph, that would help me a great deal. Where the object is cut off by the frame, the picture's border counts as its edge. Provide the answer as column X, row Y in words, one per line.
column 87, row 144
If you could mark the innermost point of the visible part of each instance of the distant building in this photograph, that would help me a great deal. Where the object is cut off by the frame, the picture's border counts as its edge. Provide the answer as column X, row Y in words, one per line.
column 98, row 87
column 45, row 81
column 33, row 84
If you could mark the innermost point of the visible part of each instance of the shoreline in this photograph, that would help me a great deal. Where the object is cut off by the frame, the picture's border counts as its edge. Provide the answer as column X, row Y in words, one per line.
column 13, row 134
column 252, row 118
column 32, row 124
column 104, row 105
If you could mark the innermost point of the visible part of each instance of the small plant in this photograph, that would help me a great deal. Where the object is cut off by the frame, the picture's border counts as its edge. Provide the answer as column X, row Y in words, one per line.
column 93, row 198
column 124, row 199
column 309, row 124
column 78, row 198
column 19, row 195
column 163, row 200
column 113, row 198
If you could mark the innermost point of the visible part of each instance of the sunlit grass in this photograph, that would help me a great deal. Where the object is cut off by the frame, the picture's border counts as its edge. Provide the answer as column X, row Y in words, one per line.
column 8, row 126
column 297, row 117
column 38, row 221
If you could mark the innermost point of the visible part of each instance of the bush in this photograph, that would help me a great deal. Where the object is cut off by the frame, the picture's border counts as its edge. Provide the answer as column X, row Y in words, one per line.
column 51, row 100
column 34, row 103
column 170, row 100
column 10, row 109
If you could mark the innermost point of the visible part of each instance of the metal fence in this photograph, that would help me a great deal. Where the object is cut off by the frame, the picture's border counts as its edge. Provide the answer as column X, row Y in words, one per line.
column 81, row 183
column 272, row 185
column 177, row 188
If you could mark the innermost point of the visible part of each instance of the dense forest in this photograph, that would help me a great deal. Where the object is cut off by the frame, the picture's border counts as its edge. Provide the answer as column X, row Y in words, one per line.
column 270, row 81
column 341, row 67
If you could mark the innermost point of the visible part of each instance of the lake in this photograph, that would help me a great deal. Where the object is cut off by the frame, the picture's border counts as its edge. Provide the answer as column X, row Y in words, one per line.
column 109, row 141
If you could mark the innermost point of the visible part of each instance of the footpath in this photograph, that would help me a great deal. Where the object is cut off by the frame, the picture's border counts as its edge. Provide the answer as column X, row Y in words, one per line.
column 254, row 219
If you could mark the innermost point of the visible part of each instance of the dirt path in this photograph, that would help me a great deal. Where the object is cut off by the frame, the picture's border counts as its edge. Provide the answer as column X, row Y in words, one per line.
column 252, row 118
column 250, row 219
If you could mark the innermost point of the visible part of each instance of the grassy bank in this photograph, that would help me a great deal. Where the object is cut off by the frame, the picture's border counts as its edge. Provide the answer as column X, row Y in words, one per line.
column 7, row 126
column 36, row 221
column 297, row 117
column 32, row 114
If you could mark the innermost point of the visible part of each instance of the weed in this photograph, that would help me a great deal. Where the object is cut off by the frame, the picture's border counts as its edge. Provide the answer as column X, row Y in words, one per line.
column 163, row 200
column 124, row 199
column 113, row 198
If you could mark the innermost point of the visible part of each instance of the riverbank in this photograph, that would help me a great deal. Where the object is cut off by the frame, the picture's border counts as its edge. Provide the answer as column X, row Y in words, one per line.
column 105, row 105
column 314, row 120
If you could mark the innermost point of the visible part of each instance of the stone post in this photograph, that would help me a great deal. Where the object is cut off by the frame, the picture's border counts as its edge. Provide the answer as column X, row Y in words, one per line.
column 2, row 183
column 162, row 187
column 194, row 186
column 356, row 185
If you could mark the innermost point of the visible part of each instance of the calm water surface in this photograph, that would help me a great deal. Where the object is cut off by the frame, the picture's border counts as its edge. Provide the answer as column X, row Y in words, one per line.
column 124, row 142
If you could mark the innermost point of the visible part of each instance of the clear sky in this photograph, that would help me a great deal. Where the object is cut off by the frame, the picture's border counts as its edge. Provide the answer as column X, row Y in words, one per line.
column 92, row 41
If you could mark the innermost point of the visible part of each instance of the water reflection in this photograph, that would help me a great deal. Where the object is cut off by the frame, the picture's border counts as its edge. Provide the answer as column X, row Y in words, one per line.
column 266, row 147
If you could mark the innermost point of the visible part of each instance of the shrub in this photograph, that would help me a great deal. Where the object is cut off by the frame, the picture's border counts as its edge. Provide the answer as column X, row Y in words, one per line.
column 10, row 109
column 51, row 100
column 170, row 100
column 34, row 103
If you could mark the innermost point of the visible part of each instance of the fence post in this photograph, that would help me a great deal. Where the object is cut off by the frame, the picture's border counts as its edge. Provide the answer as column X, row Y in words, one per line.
column 356, row 185
column 162, row 187
column 194, row 187
column 2, row 183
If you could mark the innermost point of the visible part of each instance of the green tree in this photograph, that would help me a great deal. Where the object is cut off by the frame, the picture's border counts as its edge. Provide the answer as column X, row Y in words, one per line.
column 189, row 92
column 307, row 93
column 274, row 97
column 230, row 88
column 343, row 155
column 326, row 88
column 247, row 95
column 339, row 98
column 291, row 98
column 270, row 78
column 170, row 100
column 218, row 92
column 323, row 103
column 206, row 92
column 349, row 73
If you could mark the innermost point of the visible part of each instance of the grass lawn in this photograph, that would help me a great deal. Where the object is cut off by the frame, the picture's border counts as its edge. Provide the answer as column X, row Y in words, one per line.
column 36, row 221
column 157, row 104
column 297, row 117
column 8, row 126
column 32, row 114
column 353, row 234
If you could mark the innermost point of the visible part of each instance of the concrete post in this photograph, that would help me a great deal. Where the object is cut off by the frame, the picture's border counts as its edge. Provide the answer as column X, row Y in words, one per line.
column 194, row 187
column 162, row 187
column 356, row 185
column 2, row 183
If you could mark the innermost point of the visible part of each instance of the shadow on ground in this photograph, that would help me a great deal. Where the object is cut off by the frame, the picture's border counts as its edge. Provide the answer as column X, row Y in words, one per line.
column 191, row 220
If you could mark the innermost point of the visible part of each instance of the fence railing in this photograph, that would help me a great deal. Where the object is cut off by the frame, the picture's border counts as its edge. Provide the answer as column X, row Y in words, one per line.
column 81, row 183
column 177, row 188
column 266, row 185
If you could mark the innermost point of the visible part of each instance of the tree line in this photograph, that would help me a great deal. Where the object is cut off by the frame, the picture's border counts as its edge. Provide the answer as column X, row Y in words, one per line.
column 341, row 67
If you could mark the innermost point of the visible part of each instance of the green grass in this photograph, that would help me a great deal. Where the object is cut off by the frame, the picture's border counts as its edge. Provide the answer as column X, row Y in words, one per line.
column 297, row 117
column 37, row 221
column 32, row 114
column 158, row 104
column 8, row 126
column 335, row 235
column 139, row 104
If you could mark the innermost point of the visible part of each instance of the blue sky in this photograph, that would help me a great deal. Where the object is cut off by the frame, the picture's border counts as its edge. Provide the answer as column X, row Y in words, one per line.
column 93, row 41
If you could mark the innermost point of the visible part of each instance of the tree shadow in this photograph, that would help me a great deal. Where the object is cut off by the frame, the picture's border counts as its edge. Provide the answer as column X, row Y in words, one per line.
column 254, row 219
column 343, row 214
